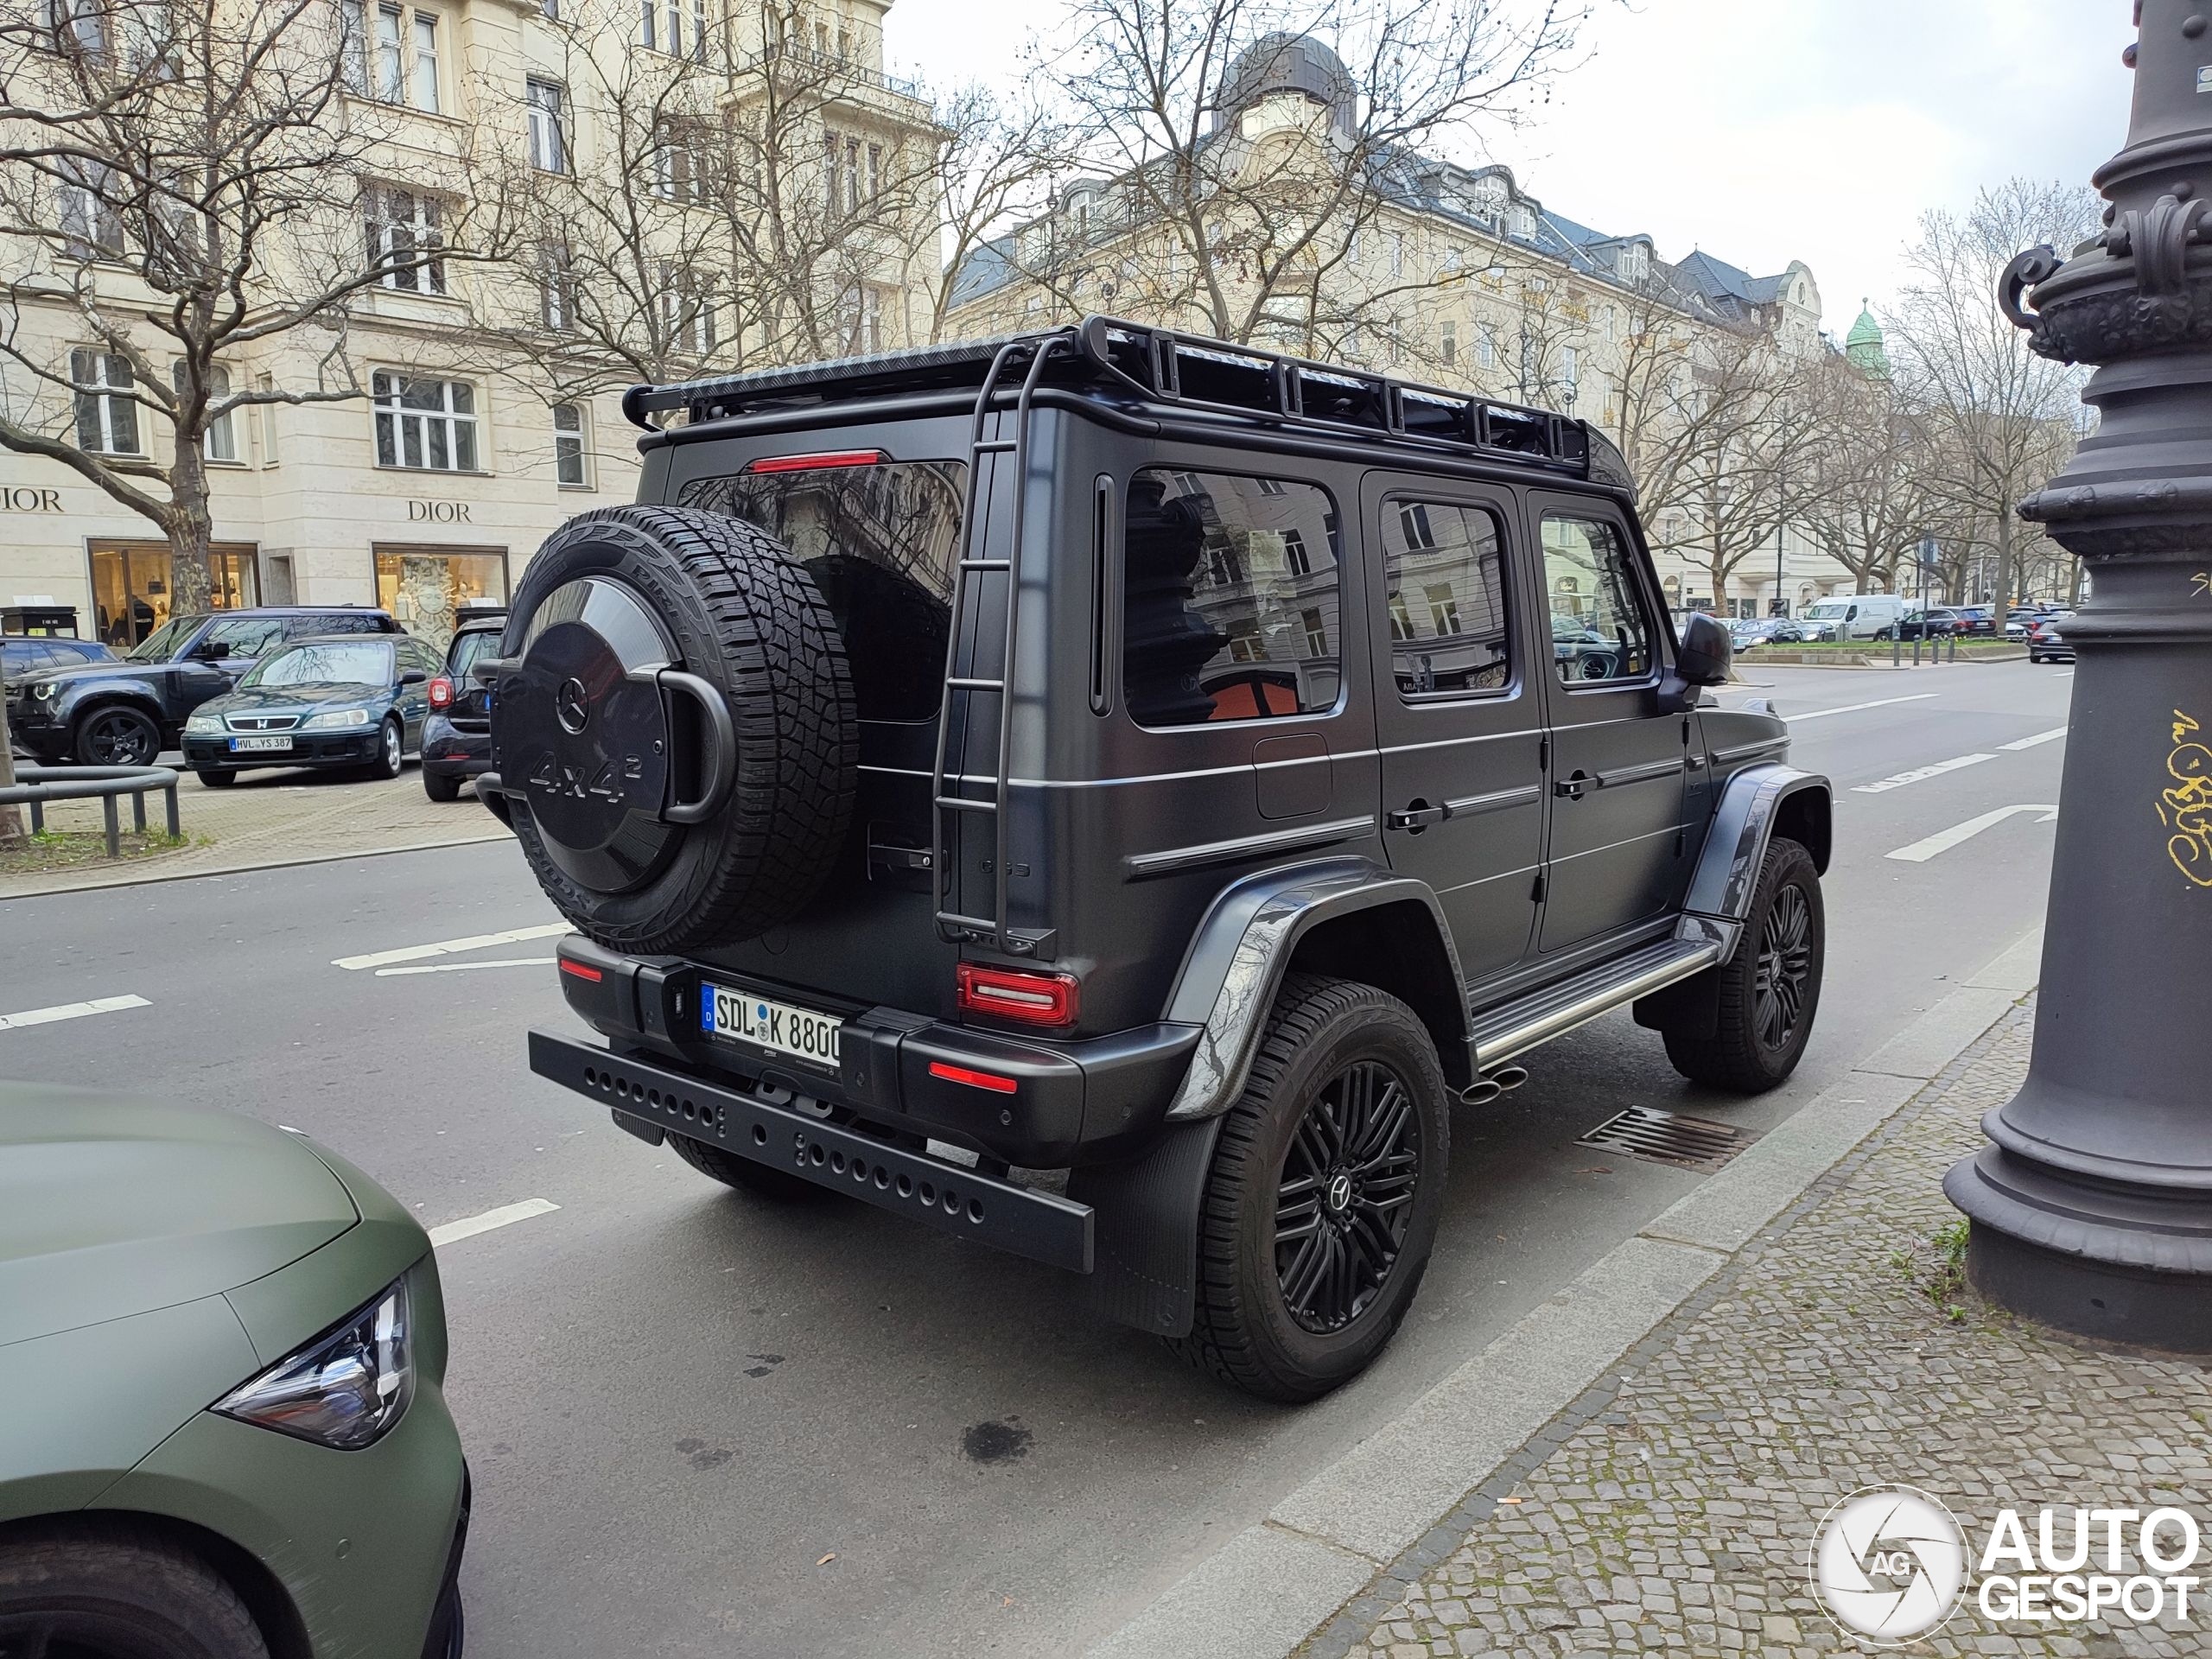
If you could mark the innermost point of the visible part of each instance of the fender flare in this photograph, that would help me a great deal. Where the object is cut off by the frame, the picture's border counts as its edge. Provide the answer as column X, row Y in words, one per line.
column 1242, row 949
column 136, row 695
column 1751, row 804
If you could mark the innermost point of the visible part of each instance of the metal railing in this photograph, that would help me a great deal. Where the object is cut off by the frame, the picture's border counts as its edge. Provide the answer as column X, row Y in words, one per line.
column 35, row 786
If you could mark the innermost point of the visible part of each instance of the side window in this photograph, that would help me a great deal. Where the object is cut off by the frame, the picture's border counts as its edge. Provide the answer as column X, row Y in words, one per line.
column 1599, row 630
column 248, row 636
column 1231, row 599
column 312, row 628
column 467, row 648
column 1443, row 569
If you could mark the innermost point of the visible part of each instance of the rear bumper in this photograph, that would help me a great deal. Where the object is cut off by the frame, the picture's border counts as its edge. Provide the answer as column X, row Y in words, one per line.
column 653, row 1101
column 1050, row 1105
column 448, row 751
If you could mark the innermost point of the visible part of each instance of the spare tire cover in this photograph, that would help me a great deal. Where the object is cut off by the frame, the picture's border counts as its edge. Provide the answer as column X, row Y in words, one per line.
column 674, row 729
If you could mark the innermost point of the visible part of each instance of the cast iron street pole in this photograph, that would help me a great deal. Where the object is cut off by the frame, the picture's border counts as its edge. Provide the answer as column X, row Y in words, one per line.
column 2092, row 1208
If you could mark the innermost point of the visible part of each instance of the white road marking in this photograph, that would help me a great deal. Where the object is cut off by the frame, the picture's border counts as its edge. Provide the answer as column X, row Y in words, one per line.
column 449, row 947
column 2030, row 742
column 1854, row 708
column 506, row 1216
column 1918, row 772
column 463, row 967
column 71, row 1011
column 1928, row 847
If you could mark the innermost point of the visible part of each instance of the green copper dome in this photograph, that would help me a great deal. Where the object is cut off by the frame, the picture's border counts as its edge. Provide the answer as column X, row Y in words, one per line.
column 1863, row 348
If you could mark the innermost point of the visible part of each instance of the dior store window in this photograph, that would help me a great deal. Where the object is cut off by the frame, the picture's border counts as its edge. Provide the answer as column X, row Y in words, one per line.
column 425, row 587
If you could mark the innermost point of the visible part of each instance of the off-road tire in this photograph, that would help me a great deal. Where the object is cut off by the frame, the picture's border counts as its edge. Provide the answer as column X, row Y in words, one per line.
column 747, row 617
column 731, row 1170
column 1736, row 1057
column 439, row 787
column 119, row 1590
column 95, row 723
column 1241, row 1330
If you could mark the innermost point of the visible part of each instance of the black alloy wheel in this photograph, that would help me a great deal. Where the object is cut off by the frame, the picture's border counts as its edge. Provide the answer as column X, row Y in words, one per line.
column 1345, row 1196
column 1785, row 967
column 117, row 737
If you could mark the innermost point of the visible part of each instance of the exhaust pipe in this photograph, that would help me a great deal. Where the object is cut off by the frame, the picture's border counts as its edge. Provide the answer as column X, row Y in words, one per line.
column 1509, row 1078
column 1480, row 1092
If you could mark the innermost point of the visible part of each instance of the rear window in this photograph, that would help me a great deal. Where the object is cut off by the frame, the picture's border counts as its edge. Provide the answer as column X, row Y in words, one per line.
column 1231, row 601
column 880, row 542
column 467, row 648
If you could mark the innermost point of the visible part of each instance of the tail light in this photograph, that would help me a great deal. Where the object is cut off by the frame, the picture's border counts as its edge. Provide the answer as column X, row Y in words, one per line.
column 442, row 693
column 1034, row 999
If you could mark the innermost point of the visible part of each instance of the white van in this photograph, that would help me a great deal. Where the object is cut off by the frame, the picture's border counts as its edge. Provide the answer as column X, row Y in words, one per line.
column 1854, row 616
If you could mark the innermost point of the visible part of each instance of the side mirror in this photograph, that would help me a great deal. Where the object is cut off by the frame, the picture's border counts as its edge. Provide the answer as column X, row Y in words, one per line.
column 212, row 650
column 413, row 677
column 1706, row 651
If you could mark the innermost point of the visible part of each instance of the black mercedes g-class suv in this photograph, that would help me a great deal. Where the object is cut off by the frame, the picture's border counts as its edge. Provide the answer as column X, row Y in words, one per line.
column 1107, row 751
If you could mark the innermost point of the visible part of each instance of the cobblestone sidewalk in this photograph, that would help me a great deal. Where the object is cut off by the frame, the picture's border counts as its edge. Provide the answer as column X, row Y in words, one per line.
column 1676, row 1518
column 274, row 817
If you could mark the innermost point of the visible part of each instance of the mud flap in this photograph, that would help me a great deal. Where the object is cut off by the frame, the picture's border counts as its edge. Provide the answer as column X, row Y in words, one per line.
column 1146, row 1229
column 1689, row 1007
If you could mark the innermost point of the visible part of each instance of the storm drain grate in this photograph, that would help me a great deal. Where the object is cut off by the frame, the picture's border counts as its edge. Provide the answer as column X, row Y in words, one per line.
column 1667, row 1138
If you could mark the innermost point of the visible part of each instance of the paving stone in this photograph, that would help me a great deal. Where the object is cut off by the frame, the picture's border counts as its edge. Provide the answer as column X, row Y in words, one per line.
column 1678, row 1514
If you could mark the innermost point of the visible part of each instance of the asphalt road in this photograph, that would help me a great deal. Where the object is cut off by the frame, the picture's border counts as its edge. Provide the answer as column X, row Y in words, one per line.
column 700, row 1425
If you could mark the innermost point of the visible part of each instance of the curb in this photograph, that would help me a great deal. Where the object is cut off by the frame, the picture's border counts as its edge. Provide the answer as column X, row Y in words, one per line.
column 1352, row 1530
column 133, row 879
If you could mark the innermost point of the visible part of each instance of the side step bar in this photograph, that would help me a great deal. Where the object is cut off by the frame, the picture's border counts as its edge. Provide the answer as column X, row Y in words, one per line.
column 652, row 1102
column 1519, row 1025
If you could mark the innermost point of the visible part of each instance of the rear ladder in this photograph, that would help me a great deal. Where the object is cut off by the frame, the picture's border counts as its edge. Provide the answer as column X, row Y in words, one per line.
column 948, row 788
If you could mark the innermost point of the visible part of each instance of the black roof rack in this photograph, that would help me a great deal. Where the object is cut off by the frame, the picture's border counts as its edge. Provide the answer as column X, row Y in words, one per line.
column 1164, row 368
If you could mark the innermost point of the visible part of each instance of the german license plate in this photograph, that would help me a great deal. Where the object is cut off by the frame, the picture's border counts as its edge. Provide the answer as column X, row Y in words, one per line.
column 260, row 745
column 743, row 1017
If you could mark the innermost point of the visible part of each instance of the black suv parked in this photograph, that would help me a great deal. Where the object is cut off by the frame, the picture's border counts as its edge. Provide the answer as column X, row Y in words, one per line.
column 1113, row 752
column 457, row 732
column 123, row 713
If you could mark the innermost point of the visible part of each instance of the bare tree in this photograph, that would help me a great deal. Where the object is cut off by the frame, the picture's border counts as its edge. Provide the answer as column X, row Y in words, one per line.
column 1866, row 496
column 2004, row 419
column 996, row 162
column 1252, row 212
column 178, row 191
column 11, row 817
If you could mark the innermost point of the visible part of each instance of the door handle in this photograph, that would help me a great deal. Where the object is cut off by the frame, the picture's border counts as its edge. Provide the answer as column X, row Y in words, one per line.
column 1575, row 788
column 1418, row 817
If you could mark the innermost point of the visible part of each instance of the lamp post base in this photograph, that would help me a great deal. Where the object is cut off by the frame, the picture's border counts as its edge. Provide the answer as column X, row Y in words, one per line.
column 2095, row 1262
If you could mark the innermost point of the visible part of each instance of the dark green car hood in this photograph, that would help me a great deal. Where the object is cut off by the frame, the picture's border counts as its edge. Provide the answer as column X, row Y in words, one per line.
column 113, row 1207
column 306, row 696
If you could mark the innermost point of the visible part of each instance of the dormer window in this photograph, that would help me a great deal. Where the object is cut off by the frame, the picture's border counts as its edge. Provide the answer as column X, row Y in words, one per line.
column 1520, row 221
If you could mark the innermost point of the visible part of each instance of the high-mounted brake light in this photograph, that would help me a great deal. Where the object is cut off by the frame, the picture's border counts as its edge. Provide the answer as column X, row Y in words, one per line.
column 813, row 463
column 441, row 693
column 1034, row 999
column 990, row 1080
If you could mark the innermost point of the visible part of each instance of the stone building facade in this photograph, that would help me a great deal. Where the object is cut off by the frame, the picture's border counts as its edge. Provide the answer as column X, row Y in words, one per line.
column 482, row 422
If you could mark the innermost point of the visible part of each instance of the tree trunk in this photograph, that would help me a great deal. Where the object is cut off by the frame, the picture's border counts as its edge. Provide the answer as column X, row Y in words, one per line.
column 11, row 817
column 2003, row 597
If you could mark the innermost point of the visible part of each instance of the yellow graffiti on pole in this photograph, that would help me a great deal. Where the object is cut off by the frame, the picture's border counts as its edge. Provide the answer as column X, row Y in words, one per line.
column 2186, row 806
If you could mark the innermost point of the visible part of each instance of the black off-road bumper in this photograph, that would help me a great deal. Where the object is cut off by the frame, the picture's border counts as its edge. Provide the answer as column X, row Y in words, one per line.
column 653, row 1101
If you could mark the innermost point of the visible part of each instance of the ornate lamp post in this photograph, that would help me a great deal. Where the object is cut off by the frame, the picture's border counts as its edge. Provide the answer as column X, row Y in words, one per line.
column 2092, row 1206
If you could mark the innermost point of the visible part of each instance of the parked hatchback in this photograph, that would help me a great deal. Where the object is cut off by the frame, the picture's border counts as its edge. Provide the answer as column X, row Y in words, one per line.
column 222, row 1356
column 125, row 712
column 457, row 731
column 337, row 702
column 2047, row 641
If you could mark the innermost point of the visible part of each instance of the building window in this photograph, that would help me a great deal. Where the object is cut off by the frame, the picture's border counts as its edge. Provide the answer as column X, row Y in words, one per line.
column 107, row 411
column 131, row 587
column 1486, row 346
column 90, row 220
column 829, row 171
column 680, row 160
column 427, row 425
column 557, row 294
column 426, row 62
column 852, row 176
column 875, row 178
column 390, row 81
column 568, row 453
column 220, row 442
column 1413, row 528
column 1449, row 347
column 663, row 26
column 424, row 588
column 687, row 311
column 549, row 150
column 403, row 237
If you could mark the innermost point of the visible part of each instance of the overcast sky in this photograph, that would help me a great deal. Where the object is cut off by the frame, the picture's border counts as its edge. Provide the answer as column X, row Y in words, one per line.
column 1761, row 130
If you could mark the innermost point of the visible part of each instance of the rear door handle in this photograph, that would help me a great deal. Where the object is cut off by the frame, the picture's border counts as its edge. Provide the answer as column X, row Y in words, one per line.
column 1419, row 818
column 1573, row 788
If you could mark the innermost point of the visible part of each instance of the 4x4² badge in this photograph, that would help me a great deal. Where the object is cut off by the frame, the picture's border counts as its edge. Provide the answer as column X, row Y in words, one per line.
column 570, row 782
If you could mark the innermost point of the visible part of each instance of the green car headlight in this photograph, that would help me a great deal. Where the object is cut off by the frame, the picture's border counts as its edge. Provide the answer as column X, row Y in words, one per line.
column 204, row 723
column 344, row 1389
column 338, row 719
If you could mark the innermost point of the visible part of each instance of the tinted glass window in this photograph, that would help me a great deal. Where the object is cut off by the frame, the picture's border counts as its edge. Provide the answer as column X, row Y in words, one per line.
column 1230, row 599
column 467, row 648
column 1443, row 569
column 167, row 639
column 1598, row 628
column 880, row 542
column 341, row 662
column 247, row 636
